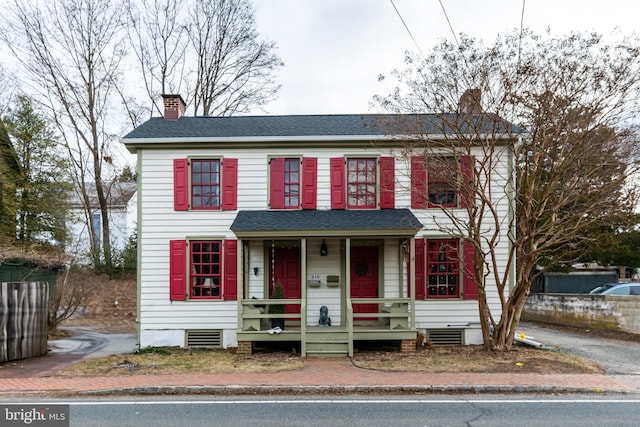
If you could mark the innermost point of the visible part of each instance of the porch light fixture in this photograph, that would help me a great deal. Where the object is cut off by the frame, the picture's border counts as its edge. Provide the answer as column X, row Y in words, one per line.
column 255, row 270
column 323, row 248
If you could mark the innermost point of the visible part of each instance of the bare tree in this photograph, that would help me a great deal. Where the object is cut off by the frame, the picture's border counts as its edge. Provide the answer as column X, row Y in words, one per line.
column 159, row 38
column 235, row 70
column 71, row 53
column 572, row 154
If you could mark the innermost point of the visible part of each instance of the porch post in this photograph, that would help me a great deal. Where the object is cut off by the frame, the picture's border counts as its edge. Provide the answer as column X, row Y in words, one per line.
column 303, row 295
column 347, row 294
column 240, row 282
column 412, row 281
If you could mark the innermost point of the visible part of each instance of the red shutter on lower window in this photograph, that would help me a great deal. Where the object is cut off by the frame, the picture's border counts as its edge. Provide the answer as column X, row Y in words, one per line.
column 470, row 288
column 180, row 184
column 276, row 183
column 387, row 183
column 178, row 270
column 337, row 178
column 229, row 184
column 230, row 291
column 420, row 267
column 468, row 184
column 309, row 182
column 418, row 183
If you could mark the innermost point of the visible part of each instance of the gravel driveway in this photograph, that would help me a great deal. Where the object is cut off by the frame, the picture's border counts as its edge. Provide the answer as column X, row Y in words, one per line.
column 619, row 358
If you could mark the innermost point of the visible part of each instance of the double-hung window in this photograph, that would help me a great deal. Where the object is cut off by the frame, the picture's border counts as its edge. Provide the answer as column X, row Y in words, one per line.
column 205, row 184
column 205, row 267
column 442, row 182
column 362, row 183
column 444, row 269
column 292, row 182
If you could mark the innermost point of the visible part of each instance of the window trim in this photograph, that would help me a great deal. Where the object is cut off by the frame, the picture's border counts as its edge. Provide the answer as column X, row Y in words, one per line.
column 182, row 184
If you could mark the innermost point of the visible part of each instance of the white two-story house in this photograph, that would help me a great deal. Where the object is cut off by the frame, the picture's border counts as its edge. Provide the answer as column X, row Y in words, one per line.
column 229, row 208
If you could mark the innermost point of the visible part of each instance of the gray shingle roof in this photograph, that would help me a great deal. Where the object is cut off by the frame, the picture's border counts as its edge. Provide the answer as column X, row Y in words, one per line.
column 310, row 222
column 304, row 126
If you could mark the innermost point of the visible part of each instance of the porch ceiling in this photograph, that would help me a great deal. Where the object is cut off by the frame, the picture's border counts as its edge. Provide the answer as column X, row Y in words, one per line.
column 308, row 223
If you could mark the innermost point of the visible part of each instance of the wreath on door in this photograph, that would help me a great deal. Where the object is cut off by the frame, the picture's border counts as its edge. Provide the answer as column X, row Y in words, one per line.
column 361, row 268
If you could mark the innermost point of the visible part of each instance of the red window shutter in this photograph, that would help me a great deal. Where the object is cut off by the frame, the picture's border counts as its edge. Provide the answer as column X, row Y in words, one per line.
column 467, row 189
column 178, row 270
column 230, row 270
column 229, row 184
column 309, row 182
column 418, row 183
column 420, row 266
column 276, row 184
column 338, row 199
column 180, row 184
column 470, row 288
column 387, row 183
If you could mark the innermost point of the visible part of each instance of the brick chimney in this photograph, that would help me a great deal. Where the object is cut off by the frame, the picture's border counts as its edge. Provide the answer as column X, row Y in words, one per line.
column 470, row 102
column 174, row 107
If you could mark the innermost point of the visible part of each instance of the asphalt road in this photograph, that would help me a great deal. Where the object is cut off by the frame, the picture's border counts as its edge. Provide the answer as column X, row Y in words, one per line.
column 354, row 412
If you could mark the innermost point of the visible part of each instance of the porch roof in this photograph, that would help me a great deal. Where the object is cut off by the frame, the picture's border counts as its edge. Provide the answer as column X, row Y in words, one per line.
column 301, row 223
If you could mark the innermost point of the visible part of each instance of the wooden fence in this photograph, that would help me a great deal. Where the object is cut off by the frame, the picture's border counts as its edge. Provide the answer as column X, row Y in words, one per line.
column 23, row 320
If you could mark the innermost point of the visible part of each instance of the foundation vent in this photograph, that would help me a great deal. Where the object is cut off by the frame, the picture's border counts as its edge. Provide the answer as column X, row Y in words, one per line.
column 445, row 336
column 204, row 338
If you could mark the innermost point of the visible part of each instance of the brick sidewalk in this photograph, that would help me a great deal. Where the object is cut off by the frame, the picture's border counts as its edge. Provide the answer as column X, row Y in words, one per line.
column 324, row 375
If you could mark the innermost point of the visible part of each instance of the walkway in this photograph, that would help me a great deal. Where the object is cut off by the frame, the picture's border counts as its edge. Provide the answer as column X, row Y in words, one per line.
column 319, row 376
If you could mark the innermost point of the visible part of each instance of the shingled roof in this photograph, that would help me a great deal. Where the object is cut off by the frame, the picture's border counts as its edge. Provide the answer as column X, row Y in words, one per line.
column 349, row 125
column 311, row 222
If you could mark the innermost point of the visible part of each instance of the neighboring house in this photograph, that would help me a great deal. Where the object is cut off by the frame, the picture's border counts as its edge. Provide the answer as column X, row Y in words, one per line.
column 231, row 206
column 122, row 203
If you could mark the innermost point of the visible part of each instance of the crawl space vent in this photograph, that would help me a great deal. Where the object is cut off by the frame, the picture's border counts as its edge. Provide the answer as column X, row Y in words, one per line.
column 204, row 338
column 445, row 336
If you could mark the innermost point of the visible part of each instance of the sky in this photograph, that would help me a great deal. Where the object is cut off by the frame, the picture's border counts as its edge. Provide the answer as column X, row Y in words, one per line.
column 334, row 50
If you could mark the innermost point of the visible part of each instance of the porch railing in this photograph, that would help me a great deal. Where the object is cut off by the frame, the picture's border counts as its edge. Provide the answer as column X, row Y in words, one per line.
column 394, row 309
column 255, row 310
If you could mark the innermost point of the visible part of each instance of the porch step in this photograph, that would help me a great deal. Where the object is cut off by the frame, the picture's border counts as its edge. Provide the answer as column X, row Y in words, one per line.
column 327, row 343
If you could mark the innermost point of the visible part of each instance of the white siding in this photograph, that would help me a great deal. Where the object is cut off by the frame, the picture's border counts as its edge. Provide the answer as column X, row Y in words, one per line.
column 163, row 321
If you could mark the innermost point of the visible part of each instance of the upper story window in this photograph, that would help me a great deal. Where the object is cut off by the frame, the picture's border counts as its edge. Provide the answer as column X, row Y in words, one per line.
column 439, row 182
column 205, row 184
column 292, row 182
column 362, row 183
column 442, row 179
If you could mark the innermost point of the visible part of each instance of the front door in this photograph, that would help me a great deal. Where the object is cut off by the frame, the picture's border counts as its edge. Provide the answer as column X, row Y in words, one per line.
column 364, row 277
column 285, row 267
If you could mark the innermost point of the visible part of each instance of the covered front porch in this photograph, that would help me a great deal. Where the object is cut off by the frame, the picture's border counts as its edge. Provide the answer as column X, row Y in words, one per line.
column 354, row 265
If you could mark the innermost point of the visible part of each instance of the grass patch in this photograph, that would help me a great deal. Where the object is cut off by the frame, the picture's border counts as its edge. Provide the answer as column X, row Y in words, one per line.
column 172, row 360
column 436, row 359
column 470, row 358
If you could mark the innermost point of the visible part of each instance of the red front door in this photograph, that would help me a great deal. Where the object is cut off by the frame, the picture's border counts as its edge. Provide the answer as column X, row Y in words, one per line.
column 364, row 277
column 285, row 267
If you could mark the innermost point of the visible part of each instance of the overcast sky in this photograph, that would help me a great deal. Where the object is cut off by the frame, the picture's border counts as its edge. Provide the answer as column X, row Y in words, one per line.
column 334, row 50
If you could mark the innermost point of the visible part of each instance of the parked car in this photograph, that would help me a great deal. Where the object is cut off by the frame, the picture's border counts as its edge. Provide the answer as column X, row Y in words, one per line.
column 617, row 289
